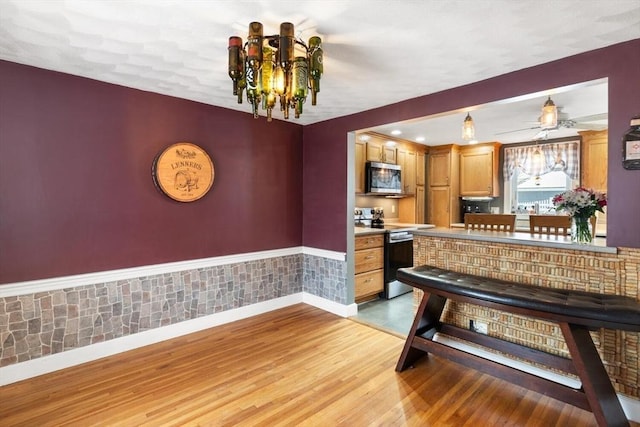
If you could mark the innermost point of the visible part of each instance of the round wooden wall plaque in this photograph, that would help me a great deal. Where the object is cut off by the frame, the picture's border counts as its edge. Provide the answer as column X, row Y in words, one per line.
column 183, row 171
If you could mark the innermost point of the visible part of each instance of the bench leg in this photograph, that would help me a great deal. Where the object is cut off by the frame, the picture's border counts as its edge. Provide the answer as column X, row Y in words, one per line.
column 427, row 318
column 597, row 386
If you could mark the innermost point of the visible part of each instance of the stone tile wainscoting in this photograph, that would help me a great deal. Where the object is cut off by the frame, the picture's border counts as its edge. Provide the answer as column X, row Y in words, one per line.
column 615, row 273
column 325, row 278
column 37, row 324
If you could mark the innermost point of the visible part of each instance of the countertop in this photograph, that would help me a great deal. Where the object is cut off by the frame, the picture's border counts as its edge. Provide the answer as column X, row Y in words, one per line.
column 524, row 238
column 600, row 232
column 395, row 226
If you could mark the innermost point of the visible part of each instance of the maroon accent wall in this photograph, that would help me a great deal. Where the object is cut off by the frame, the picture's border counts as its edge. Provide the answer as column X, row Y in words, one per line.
column 325, row 143
column 76, row 192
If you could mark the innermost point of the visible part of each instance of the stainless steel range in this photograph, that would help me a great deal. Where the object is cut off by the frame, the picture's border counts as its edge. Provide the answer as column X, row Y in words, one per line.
column 398, row 253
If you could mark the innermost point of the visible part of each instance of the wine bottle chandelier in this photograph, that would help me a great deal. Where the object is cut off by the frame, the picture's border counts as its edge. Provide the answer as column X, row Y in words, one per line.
column 269, row 67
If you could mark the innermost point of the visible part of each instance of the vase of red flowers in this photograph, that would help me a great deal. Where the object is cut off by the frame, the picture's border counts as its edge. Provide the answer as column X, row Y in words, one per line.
column 581, row 204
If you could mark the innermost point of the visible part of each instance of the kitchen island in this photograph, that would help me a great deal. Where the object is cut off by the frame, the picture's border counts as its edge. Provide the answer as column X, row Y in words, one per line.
column 546, row 261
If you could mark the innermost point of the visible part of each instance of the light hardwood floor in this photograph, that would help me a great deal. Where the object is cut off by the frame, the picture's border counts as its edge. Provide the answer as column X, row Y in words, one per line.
column 298, row 366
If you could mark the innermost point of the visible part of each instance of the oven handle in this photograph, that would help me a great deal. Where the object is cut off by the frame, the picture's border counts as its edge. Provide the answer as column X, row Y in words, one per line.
column 400, row 239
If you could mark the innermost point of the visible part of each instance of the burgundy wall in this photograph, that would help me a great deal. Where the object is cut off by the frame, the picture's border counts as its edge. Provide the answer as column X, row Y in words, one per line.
column 76, row 193
column 325, row 194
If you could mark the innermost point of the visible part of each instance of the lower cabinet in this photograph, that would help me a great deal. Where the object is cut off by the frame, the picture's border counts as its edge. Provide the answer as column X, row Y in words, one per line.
column 369, row 267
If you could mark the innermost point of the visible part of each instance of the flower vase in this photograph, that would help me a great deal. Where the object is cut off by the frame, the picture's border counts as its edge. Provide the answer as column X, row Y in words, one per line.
column 581, row 232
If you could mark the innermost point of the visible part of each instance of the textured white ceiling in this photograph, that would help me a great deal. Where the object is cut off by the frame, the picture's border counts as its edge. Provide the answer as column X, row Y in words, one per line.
column 375, row 52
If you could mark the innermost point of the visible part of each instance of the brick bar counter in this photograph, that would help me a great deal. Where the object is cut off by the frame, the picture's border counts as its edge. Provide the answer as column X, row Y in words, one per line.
column 552, row 262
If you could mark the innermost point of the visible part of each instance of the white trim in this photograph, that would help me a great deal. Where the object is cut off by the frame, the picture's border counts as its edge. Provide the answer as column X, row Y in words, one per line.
column 530, row 369
column 630, row 406
column 330, row 306
column 338, row 256
column 44, row 285
column 55, row 283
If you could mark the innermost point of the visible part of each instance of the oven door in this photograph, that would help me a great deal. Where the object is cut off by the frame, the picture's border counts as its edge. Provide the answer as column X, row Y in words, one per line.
column 398, row 254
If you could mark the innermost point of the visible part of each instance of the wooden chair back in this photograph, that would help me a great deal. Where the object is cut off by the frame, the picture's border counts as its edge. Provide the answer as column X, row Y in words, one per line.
column 489, row 222
column 558, row 225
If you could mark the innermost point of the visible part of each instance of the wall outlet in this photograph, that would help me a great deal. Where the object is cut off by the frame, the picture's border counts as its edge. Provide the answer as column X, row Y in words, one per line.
column 479, row 327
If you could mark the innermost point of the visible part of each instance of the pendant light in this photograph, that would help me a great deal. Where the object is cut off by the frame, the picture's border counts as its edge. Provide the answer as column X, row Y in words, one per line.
column 468, row 129
column 549, row 117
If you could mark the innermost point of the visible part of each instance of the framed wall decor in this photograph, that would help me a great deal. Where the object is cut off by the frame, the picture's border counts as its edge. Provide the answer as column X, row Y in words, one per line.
column 183, row 171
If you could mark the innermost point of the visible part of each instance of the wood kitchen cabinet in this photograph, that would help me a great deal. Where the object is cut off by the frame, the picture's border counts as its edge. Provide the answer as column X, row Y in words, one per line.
column 595, row 149
column 420, row 204
column 406, row 158
column 443, row 202
column 420, row 167
column 439, row 206
column 594, row 159
column 411, row 209
column 360, row 155
column 369, row 266
column 479, row 170
column 379, row 151
column 441, row 164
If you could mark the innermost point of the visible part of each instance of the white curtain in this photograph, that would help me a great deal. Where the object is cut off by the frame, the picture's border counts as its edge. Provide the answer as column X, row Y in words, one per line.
column 539, row 159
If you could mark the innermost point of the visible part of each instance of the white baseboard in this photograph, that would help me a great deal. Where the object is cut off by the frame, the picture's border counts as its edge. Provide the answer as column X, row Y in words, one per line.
column 631, row 407
column 330, row 306
column 54, row 362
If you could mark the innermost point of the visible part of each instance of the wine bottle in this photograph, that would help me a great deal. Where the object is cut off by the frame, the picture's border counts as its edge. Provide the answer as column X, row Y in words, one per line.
column 631, row 145
column 267, row 72
column 236, row 64
column 253, row 63
column 285, row 61
column 299, row 83
column 254, row 46
column 315, row 66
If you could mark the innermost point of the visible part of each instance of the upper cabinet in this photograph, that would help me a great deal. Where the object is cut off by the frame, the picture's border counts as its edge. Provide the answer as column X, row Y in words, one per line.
column 378, row 151
column 406, row 158
column 594, row 159
column 479, row 170
column 440, row 165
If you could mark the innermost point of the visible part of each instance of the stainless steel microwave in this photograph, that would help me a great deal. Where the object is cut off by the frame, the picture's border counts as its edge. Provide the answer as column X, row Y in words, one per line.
column 383, row 178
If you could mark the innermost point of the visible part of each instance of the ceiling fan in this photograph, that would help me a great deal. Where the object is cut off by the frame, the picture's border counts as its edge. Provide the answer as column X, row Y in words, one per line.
column 566, row 122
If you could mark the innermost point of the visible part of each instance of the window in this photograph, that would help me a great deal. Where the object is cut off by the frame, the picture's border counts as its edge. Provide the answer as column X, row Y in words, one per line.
column 533, row 174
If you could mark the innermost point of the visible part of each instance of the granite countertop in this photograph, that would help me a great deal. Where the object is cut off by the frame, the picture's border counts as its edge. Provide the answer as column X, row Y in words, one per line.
column 524, row 238
column 600, row 232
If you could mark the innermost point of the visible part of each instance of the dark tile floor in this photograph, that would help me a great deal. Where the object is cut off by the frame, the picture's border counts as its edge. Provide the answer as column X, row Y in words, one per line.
column 394, row 315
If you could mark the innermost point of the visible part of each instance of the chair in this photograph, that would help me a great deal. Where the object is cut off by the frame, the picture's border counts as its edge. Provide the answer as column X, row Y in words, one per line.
column 558, row 225
column 489, row 222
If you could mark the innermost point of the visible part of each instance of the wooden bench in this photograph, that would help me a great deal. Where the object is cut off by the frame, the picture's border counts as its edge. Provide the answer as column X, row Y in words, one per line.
column 575, row 312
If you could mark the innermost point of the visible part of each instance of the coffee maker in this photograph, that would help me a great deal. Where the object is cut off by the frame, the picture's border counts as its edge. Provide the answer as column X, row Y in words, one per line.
column 377, row 221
